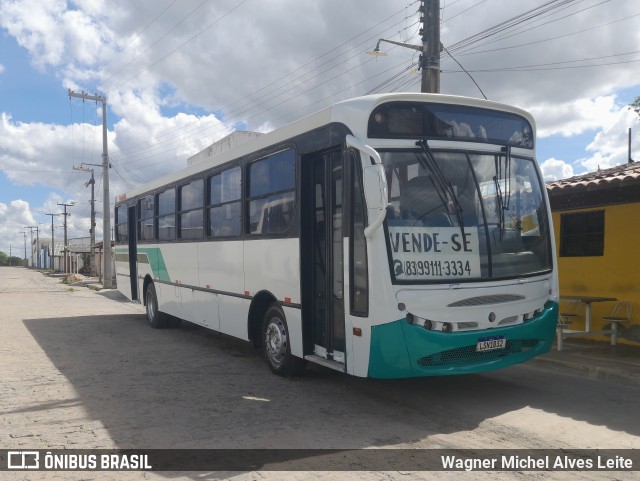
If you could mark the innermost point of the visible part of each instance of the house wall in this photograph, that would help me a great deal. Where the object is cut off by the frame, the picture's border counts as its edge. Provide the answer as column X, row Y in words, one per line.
column 615, row 274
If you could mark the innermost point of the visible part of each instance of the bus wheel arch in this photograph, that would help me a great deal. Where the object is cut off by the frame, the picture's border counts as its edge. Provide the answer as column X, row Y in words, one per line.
column 259, row 305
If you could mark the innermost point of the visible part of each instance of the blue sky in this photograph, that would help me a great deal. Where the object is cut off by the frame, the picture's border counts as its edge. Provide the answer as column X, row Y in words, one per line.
column 180, row 75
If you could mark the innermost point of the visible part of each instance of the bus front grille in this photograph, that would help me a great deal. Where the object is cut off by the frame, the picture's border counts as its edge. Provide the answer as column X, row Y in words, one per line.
column 468, row 354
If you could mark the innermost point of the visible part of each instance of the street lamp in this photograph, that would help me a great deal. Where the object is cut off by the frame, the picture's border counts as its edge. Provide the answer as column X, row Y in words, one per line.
column 429, row 64
column 429, row 50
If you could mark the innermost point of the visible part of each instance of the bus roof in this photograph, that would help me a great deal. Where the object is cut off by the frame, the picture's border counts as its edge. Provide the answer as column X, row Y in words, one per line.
column 353, row 113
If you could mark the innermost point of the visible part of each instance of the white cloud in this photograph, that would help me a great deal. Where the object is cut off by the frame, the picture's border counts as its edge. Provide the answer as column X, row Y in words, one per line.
column 610, row 146
column 1, row 68
column 268, row 63
column 574, row 117
column 53, row 33
column 14, row 216
column 555, row 169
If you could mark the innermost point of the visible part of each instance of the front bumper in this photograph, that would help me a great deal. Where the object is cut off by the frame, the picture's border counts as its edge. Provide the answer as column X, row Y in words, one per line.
column 400, row 349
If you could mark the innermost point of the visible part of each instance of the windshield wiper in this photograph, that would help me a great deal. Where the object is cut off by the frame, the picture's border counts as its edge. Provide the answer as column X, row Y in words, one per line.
column 503, row 199
column 445, row 190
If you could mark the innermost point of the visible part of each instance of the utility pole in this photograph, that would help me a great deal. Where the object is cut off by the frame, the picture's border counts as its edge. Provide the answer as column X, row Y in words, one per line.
column 9, row 255
column 106, row 221
column 92, row 229
column 31, row 229
column 38, row 247
column 429, row 61
column 53, row 243
column 64, row 246
column 25, row 245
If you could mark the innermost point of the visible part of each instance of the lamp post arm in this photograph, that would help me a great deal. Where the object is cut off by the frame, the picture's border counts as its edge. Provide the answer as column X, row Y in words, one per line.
column 400, row 44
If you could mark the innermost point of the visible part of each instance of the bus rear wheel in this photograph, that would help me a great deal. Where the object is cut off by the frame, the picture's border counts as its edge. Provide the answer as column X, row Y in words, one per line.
column 277, row 349
column 156, row 319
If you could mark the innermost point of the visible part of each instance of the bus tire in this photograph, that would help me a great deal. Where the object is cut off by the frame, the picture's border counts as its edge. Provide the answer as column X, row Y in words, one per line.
column 277, row 350
column 156, row 319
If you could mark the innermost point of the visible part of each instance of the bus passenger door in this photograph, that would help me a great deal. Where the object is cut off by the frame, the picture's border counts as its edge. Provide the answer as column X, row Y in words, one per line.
column 133, row 252
column 322, row 255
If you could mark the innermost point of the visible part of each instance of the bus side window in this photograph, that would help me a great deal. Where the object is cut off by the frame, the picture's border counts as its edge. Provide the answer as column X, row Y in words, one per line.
column 191, row 210
column 166, row 224
column 122, row 226
column 146, row 213
column 271, row 193
column 358, row 244
column 224, row 203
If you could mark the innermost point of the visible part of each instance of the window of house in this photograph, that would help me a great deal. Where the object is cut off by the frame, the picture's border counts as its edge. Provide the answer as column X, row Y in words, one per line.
column 582, row 234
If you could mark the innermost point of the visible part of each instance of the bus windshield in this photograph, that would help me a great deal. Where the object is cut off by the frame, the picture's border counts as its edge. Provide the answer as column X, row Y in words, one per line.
column 457, row 216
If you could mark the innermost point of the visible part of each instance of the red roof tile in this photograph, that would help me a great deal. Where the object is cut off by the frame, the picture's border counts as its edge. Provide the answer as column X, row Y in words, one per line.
column 624, row 174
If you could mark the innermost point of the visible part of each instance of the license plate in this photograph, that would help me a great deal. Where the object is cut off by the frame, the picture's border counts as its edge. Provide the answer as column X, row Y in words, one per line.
column 491, row 343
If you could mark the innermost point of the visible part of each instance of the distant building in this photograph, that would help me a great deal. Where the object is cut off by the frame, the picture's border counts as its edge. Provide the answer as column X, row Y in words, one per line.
column 42, row 256
column 597, row 228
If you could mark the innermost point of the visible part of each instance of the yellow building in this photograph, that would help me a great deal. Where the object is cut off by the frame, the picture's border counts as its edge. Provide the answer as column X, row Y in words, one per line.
column 596, row 218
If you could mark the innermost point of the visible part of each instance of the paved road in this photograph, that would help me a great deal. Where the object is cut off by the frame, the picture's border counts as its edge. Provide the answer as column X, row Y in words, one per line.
column 81, row 369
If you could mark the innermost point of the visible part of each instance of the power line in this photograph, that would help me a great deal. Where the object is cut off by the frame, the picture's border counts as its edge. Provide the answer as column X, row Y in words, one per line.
column 247, row 103
column 503, row 37
column 510, row 23
column 106, row 82
column 475, row 52
column 399, row 82
column 546, row 66
column 137, row 35
column 464, row 11
column 465, row 71
column 180, row 46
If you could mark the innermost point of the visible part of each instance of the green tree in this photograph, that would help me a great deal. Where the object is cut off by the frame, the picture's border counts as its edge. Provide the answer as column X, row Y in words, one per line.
column 13, row 261
column 635, row 106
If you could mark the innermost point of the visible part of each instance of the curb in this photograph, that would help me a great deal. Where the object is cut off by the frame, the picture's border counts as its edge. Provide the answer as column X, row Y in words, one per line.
column 593, row 372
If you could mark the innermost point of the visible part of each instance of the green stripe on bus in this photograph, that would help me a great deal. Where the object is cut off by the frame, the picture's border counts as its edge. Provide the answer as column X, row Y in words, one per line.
column 156, row 262
column 148, row 255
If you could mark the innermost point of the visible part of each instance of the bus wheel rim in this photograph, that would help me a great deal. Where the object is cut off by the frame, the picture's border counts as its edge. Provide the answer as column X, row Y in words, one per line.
column 150, row 308
column 276, row 340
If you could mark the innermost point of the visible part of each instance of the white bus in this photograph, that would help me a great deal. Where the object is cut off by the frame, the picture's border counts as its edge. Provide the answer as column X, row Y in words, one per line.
column 392, row 235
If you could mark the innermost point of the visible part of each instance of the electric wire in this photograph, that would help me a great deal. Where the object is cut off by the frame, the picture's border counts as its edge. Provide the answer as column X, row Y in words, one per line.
column 161, row 59
column 475, row 52
column 247, row 103
column 409, row 80
column 510, row 23
column 470, row 76
column 503, row 37
column 551, row 65
column 137, row 35
column 466, row 10
column 106, row 82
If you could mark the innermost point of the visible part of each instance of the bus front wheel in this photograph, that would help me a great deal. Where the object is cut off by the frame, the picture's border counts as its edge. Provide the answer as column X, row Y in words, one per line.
column 277, row 349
